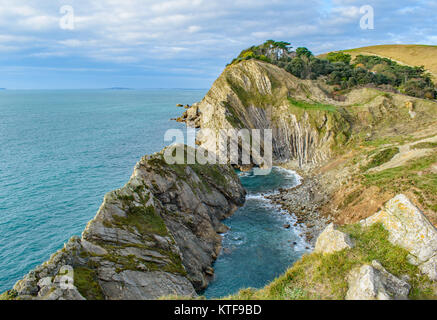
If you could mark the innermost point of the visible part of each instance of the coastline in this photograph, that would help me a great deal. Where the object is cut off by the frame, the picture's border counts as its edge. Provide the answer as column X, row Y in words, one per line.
column 304, row 202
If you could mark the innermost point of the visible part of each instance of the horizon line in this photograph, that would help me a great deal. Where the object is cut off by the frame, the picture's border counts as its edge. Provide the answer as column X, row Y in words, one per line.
column 109, row 89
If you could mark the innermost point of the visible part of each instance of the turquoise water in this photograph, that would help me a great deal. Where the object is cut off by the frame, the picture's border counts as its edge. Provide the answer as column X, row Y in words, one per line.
column 257, row 248
column 61, row 151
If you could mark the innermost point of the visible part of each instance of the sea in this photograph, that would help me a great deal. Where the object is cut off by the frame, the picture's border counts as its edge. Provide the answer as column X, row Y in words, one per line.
column 62, row 150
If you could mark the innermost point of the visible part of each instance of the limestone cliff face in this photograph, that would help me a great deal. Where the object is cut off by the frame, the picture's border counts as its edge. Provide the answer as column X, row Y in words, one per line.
column 258, row 95
column 158, row 235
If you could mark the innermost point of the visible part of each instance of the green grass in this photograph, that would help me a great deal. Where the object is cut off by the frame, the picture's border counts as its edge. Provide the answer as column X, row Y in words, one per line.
column 86, row 283
column 312, row 106
column 8, row 295
column 407, row 178
column 254, row 97
column 143, row 218
column 380, row 158
column 318, row 276
column 214, row 174
column 350, row 198
column 424, row 145
column 232, row 116
column 378, row 142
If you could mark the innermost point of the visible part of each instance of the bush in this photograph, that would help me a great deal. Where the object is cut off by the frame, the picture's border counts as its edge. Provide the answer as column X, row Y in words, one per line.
column 339, row 57
column 338, row 70
column 296, row 67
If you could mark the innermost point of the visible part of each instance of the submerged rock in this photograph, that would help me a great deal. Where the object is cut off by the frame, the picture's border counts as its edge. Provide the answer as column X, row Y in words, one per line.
column 409, row 228
column 332, row 240
column 156, row 236
column 373, row 282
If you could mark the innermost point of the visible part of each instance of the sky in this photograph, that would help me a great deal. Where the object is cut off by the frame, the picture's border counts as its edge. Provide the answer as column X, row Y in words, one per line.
column 81, row 44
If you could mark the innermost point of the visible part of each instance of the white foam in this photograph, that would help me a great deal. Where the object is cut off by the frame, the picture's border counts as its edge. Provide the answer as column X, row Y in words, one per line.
column 287, row 218
column 290, row 174
column 299, row 230
column 257, row 196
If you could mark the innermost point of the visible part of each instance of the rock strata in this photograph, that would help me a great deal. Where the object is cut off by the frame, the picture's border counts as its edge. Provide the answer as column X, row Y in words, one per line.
column 256, row 95
column 332, row 240
column 156, row 236
column 373, row 282
column 409, row 228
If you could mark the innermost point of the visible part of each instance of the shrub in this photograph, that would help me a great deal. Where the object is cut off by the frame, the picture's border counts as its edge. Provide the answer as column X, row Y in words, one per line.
column 339, row 57
column 338, row 70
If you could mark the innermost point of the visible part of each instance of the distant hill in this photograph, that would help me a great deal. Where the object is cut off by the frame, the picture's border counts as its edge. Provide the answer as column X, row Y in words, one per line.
column 409, row 54
column 118, row 88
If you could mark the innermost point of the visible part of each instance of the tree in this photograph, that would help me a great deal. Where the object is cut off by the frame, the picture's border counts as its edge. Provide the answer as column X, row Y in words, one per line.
column 303, row 52
column 296, row 67
column 339, row 57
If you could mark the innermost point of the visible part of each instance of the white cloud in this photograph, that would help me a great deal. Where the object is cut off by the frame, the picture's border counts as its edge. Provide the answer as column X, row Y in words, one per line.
column 205, row 31
column 193, row 29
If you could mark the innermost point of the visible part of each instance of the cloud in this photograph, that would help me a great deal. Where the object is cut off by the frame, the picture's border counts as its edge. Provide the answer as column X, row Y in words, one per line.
column 169, row 34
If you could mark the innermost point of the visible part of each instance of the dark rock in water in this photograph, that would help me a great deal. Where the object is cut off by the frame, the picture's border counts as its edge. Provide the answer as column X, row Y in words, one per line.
column 209, row 271
column 245, row 168
column 227, row 251
column 287, row 226
column 179, row 105
column 156, row 236
column 222, row 228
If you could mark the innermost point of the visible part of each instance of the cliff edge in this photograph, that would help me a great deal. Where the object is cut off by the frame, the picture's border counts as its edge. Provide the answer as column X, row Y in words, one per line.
column 158, row 235
column 311, row 123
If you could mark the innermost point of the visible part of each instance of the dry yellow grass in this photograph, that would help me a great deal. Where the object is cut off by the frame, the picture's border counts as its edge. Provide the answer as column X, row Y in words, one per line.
column 409, row 54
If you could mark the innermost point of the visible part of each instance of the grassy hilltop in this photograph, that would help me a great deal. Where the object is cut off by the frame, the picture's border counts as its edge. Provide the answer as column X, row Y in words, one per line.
column 409, row 54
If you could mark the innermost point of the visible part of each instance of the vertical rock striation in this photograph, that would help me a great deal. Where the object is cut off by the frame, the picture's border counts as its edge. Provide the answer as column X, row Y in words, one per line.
column 257, row 95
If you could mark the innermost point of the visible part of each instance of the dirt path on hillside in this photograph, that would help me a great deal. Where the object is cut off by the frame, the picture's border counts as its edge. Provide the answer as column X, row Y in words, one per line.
column 406, row 153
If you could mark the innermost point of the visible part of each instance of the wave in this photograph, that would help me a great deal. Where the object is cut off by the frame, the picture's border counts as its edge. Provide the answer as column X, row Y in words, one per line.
column 288, row 173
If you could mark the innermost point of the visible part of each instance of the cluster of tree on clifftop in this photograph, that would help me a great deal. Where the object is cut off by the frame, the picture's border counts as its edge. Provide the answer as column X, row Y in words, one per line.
column 338, row 69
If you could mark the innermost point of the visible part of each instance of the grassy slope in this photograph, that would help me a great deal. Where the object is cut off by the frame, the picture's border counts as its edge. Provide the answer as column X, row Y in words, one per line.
column 409, row 54
column 318, row 276
column 366, row 180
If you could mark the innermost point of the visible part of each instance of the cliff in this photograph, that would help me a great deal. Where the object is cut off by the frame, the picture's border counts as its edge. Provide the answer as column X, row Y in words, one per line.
column 310, row 123
column 344, row 139
column 158, row 235
column 259, row 95
column 356, row 149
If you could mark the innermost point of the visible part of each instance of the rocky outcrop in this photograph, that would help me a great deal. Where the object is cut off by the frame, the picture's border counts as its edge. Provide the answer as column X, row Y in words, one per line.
column 409, row 228
column 255, row 95
column 373, row 282
column 158, row 235
column 332, row 240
